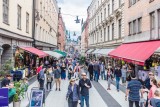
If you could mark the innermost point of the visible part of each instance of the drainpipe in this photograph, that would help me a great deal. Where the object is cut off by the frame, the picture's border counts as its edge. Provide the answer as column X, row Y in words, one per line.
column 33, row 23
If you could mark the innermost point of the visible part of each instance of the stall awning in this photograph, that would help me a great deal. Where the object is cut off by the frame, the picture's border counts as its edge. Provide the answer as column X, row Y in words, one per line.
column 35, row 51
column 104, row 51
column 95, row 51
column 61, row 52
column 89, row 51
column 136, row 53
column 54, row 54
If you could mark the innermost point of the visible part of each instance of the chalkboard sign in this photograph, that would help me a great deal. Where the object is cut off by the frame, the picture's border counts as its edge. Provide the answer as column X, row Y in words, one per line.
column 4, row 97
column 36, row 98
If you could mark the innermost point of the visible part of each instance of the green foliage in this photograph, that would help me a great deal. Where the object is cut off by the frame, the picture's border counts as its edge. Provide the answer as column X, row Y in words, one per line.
column 7, row 65
column 20, row 91
column 82, row 60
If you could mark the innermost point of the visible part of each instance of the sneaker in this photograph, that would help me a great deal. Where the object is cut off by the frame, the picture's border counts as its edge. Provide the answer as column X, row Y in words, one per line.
column 59, row 89
column 107, row 88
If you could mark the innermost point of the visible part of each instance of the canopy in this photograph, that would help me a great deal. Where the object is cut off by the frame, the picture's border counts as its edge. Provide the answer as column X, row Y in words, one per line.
column 54, row 54
column 136, row 53
column 35, row 51
column 95, row 51
column 89, row 51
column 104, row 51
column 61, row 52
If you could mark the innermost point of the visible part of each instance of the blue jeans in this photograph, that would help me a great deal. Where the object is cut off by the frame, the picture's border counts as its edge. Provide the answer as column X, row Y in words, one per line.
column 117, row 82
column 103, row 75
column 86, row 98
column 96, row 75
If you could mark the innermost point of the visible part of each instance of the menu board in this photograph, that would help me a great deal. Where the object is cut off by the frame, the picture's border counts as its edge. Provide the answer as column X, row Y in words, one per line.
column 36, row 98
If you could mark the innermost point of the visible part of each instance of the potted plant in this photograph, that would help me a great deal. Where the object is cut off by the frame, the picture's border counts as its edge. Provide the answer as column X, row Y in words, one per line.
column 20, row 92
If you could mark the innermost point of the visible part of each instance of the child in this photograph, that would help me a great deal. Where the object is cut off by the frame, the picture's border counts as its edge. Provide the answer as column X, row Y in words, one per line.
column 109, row 79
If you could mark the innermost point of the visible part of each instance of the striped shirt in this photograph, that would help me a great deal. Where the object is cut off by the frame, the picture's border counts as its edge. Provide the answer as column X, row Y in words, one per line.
column 134, row 87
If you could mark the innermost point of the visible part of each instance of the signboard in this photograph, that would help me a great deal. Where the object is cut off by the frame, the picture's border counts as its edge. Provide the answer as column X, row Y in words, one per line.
column 4, row 97
column 36, row 98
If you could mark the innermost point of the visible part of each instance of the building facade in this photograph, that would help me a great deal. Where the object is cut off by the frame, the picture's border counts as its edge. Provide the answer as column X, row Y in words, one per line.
column 61, row 33
column 15, row 26
column 83, row 39
column 46, row 24
column 106, row 23
column 144, row 24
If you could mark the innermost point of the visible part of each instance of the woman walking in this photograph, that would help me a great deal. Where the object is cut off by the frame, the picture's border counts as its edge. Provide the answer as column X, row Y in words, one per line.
column 63, row 71
column 57, row 77
column 109, row 79
column 49, row 78
column 70, row 71
column 73, row 94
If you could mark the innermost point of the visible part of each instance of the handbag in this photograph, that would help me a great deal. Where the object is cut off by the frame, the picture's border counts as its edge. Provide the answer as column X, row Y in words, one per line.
column 128, row 77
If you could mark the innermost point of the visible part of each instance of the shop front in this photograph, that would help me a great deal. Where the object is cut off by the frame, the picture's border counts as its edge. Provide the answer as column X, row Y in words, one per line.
column 26, row 61
column 141, row 57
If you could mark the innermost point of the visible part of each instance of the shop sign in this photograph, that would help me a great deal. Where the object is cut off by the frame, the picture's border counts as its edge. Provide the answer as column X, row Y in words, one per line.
column 4, row 97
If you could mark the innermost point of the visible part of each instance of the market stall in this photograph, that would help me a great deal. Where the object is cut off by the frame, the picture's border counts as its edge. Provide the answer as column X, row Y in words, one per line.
column 54, row 54
column 27, row 59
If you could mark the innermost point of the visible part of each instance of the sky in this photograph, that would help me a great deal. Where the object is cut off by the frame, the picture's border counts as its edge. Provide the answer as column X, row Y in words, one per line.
column 70, row 9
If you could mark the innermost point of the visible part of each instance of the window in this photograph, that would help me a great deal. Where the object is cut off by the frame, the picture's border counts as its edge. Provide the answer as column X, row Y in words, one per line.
column 98, row 19
column 104, row 34
column 112, row 6
column 152, row 21
column 108, row 9
column 101, row 17
column 134, row 27
column 133, row 2
column 105, row 13
column 41, row 7
column 120, row 28
column 113, row 31
column 97, row 36
column 159, row 19
column 108, row 33
column 120, row 3
column 40, row 33
column 19, row 17
column 5, row 11
column 98, row 3
column 130, row 3
column 101, row 35
column 27, row 22
column 139, row 25
column 130, row 28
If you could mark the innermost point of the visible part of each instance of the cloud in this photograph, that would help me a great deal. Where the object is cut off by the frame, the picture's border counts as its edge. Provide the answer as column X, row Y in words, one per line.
column 72, row 8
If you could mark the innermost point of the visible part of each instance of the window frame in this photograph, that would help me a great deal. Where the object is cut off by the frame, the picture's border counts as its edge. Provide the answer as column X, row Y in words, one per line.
column 19, row 17
column 112, row 31
column 108, row 33
column 151, row 19
column 27, row 22
column 112, row 6
column 134, row 27
column 130, row 28
column 5, row 11
column 108, row 9
column 139, row 25
column 120, row 28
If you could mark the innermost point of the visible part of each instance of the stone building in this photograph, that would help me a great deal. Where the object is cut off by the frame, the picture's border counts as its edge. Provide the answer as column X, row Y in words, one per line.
column 61, row 32
column 106, row 23
column 15, row 26
column 46, row 24
column 142, row 20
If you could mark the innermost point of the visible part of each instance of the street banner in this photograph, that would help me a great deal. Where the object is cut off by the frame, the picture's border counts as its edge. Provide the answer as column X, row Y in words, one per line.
column 36, row 98
column 4, row 97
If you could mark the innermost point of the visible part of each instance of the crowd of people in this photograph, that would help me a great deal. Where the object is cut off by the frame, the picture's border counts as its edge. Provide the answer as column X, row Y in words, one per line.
column 70, row 69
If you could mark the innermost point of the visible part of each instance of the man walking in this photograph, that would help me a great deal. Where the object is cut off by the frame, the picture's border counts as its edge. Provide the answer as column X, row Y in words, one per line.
column 96, row 69
column 90, row 70
column 118, row 75
column 41, row 77
column 84, row 85
column 133, row 89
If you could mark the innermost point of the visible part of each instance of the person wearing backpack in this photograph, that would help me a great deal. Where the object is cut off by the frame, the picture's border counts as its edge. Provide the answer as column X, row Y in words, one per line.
column 155, row 102
column 73, row 93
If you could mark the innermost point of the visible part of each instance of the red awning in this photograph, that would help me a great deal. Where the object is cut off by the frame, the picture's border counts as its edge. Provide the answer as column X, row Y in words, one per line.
column 136, row 53
column 35, row 51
